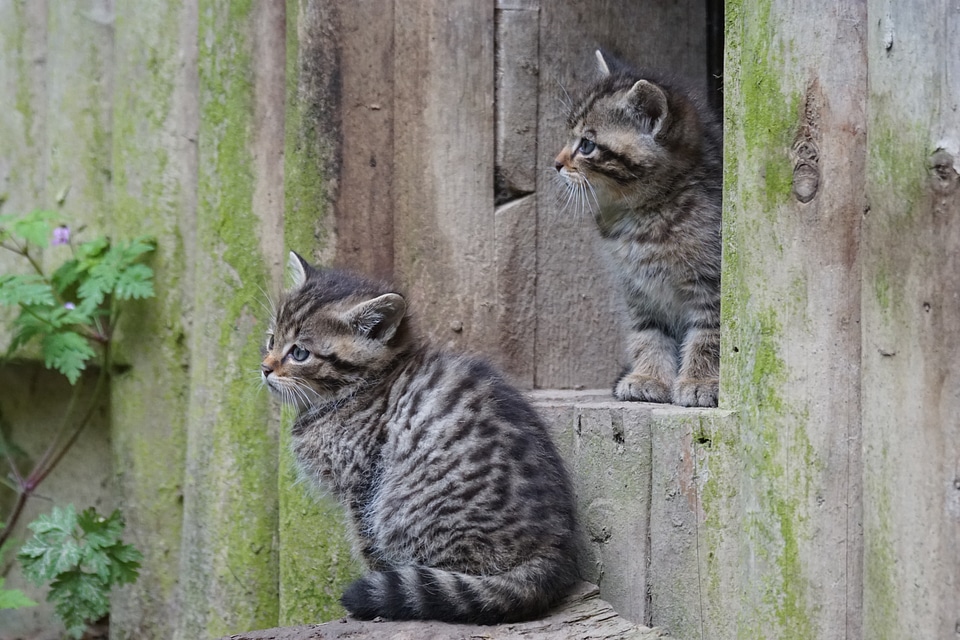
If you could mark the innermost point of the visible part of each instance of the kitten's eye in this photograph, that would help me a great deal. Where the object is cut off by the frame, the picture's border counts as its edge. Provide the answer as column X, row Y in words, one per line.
column 270, row 342
column 586, row 147
column 298, row 353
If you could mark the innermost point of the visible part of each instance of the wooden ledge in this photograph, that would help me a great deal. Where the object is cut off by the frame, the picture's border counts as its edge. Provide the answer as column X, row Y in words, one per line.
column 581, row 616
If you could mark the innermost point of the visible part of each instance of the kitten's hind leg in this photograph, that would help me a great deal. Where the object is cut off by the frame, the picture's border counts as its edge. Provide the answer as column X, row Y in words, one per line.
column 699, row 381
column 653, row 356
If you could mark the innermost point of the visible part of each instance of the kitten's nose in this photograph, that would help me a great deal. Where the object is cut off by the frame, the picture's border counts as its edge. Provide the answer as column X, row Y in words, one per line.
column 559, row 161
column 265, row 369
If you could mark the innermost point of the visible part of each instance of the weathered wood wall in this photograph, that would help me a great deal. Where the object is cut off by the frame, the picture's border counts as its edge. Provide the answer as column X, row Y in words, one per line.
column 911, row 322
column 414, row 141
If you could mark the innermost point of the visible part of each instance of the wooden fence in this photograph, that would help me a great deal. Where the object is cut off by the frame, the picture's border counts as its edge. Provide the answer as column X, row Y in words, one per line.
column 414, row 140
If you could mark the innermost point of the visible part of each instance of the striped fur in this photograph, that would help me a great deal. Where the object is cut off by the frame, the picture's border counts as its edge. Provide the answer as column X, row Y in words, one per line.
column 645, row 160
column 459, row 500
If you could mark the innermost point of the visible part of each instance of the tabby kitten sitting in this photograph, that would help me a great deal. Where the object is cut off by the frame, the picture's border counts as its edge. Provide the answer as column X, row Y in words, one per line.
column 645, row 158
column 460, row 503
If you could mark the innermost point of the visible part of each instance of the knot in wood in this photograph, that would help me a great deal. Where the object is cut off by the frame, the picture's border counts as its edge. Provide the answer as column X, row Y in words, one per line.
column 806, row 170
column 943, row 171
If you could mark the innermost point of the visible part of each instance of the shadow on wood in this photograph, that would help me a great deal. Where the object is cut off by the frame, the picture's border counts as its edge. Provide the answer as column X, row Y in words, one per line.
column 582, row 615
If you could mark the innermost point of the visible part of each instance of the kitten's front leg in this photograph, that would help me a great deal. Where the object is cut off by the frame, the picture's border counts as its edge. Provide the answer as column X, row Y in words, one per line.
column 699, row 380
column 653, row 355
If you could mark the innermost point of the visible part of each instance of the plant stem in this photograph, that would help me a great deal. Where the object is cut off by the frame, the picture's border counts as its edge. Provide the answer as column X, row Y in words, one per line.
column 54, row 454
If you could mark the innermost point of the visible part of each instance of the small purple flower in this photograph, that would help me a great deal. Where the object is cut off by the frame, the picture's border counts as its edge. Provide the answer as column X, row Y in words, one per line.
column 61, row 235
column 69, row 306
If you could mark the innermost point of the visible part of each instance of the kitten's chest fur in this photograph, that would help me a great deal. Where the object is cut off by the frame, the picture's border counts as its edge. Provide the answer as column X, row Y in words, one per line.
column 665, row 255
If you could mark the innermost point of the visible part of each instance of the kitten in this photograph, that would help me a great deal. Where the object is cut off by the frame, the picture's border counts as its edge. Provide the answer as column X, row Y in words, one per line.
column 645, row 158
column 459, row 500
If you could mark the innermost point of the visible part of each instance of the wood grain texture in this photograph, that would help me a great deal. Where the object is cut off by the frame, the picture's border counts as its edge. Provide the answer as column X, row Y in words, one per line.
column 443, row 169
column 791, row 310
column 154, row 192
column 582, row 616
column 228, row 570
column 911, row 323
column 364, row 206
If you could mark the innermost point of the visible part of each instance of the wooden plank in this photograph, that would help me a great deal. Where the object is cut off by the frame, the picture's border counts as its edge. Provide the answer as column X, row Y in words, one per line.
column 443, row 169
column 229, row 572
column 364, row 203
column 23, row 123
column 23, row 83
column 582, row 615
column 911, row 323
column 578, row 338
column 517, row 59
column 79, row 84
column 793, row 201
column 154, row 127
column 516, row 313
column 311, row 530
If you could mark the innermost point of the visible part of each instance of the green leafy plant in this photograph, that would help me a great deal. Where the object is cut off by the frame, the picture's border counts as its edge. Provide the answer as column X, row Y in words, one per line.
column 82, row 558
column 68, row 316
column 12, row 598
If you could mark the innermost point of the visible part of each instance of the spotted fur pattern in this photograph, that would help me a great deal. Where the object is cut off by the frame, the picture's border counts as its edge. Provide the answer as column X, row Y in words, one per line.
column 644, row 159
column 458, row 498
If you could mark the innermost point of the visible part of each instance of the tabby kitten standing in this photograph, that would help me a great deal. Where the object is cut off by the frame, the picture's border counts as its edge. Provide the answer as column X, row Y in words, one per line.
column 458, row 498
column 645, row 158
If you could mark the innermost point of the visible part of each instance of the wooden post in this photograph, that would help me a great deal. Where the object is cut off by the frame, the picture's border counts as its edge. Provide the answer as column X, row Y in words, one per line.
column 154, row 133
column 315, row 555
column 911, row 323
column 793, row 201
column 228, row 564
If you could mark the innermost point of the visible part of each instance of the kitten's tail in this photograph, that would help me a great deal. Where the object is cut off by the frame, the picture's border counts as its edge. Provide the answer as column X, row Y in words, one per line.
column 425, row 593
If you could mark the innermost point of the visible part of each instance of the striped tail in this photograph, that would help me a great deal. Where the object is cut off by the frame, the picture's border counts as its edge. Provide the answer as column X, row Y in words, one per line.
column 424, row 593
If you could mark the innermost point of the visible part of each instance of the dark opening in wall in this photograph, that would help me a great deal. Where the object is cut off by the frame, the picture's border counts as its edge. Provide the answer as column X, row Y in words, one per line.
column 715, row 26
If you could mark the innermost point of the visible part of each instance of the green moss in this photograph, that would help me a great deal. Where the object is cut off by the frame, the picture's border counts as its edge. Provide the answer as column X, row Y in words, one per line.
column 781, row 464
column 232, row 517
column 879, row 563
column 881, row 288
column 14, row 35
column 316, row 563
column 759, row 113
column 305, row 165
column 149, row 402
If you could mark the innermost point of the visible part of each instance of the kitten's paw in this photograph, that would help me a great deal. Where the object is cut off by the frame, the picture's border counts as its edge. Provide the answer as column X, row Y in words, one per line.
column 694, row 392
column 641, row 389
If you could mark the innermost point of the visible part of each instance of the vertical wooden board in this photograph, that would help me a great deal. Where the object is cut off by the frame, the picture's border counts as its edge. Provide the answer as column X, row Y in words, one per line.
column 364, row 203
column 517, row 70
column 610, row 462
column 515, row 235
column 695, row 546
column 315, row 555
column 911, row 323
column 794, row 165
column 228, row 562
column 312, row 122
column 23, row 71
column 154, row 193
column 578, row 340
column 79, row 92
column 23, row 100
column 516, row 313
column 443, row 169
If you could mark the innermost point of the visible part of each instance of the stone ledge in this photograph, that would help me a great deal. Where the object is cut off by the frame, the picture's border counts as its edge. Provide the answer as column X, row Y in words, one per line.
column 581, row 616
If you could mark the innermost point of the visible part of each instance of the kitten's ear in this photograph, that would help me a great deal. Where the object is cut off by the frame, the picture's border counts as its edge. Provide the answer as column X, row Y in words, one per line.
column 602, row 65
column 650, row 102
column 378, row 318
column 298, row 268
